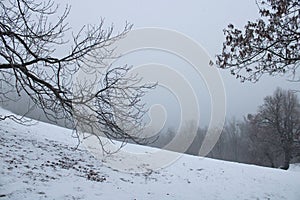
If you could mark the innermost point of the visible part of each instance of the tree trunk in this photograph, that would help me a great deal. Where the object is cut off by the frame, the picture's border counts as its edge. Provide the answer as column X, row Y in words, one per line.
column 287, row 158
column 271, row 160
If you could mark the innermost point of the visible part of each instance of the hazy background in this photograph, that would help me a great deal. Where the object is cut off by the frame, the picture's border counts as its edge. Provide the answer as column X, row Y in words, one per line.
column 203, row 21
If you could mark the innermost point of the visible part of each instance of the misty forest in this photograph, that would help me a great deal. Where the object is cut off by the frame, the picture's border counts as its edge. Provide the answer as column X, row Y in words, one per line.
column 42, row 62
column 269, row 137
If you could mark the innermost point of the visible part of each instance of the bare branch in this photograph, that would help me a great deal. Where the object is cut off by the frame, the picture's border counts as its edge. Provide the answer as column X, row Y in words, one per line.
column 28, row 44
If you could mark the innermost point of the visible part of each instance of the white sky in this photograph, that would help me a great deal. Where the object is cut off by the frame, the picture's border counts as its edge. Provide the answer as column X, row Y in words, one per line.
column 201, row 20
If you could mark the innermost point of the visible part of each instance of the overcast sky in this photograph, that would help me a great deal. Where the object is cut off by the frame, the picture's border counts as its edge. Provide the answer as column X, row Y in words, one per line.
column 201, row 20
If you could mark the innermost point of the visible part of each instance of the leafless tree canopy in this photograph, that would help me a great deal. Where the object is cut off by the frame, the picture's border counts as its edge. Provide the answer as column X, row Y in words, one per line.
column 30, row 46
column 270, row 45
column 278, row 122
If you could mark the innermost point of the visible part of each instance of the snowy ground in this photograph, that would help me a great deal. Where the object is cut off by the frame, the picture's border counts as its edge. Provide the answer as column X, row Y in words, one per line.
column 39, row 162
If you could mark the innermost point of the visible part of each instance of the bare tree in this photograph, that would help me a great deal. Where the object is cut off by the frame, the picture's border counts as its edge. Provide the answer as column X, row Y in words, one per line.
column 268, row 45
column 30, row 45
column 264, row 144
column 233, row 138
column 279, row 117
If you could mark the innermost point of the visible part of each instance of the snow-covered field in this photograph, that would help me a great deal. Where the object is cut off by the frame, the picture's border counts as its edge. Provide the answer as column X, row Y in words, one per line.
column 39, row 162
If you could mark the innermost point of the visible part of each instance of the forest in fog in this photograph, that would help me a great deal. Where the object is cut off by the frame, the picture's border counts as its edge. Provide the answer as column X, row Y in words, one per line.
column 270, row 137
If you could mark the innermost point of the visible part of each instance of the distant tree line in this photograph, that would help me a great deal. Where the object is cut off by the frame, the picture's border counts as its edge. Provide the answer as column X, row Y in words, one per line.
column 270, row 137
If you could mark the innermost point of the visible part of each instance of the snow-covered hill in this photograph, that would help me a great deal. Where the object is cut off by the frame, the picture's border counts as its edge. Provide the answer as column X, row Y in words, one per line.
column 39, row 162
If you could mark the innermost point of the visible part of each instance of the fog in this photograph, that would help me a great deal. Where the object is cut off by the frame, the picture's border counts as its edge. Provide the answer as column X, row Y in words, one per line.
column 203, row 22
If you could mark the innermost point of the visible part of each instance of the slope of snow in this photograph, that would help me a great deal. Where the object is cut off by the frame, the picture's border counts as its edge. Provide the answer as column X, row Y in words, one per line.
column 39, row 162
column 295, row 167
